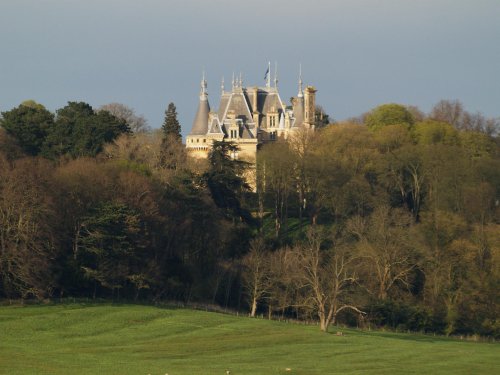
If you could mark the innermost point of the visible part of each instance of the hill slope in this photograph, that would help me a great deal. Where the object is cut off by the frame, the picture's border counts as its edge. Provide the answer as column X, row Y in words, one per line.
column 105, row 339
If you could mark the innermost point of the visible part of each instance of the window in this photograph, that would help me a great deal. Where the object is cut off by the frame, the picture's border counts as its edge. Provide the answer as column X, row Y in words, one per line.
column 272, row 121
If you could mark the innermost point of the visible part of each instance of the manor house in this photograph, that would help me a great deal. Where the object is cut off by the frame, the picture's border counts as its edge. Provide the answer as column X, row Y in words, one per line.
column 249, row 117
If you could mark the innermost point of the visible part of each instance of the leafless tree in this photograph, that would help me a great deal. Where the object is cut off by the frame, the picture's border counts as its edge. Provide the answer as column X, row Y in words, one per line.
column 385, row 243
column 256, row 273
column 327, row 276
column 25, row 240
column 137, row 124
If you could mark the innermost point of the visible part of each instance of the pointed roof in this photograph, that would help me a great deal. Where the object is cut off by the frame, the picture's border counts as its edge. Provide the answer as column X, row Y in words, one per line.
column 200, row 123
column 237, row 102
column 215, row 126
column 298, row 108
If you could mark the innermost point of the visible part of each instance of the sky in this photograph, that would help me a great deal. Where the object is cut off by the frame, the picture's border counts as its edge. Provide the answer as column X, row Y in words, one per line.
column 147, row 53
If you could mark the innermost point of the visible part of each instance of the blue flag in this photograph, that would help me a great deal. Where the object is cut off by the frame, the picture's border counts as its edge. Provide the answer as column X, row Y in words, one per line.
column 267, row 73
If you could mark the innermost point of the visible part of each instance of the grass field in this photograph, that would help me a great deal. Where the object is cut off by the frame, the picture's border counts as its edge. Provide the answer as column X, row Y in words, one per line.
column 106, row 339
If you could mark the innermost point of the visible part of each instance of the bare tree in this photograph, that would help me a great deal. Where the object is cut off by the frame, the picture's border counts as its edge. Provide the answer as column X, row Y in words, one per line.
column 25, row 240
column 453, row 112
column 284, row 282
column 385, row 242
column 137, row 124
column 450, row 111
column 256, row 275
column 327, row 275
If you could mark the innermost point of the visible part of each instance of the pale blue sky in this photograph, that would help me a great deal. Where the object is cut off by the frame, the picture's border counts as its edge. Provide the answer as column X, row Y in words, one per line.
column 146, row 53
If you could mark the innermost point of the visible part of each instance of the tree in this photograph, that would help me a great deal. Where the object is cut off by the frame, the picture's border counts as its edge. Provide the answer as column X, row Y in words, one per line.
column 402, row 172
column 256, row 273
column 392, row 137
column 389, row 114
column 453, row 113
column 173, row 152
column 449, row 111
column 338, row 168
column 433, row 132
column 29, row 125
column 110, row 246
column 79, row 131
column 301, row 145
column 171, row 128
column 224, row 179
column 137, row 124
column 277, row 163
column 384, row 240
column 322, row 118
column 26, row 237
column 284, row 280
column 327, row 276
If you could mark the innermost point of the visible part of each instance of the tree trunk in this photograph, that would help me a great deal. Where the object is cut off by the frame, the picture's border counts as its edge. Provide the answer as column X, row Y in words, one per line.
column 254, row 307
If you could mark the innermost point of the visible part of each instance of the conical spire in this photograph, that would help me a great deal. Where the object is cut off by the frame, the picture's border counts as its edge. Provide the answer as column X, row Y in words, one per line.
column 203, row 91
column 298, row 108
column 200, row 123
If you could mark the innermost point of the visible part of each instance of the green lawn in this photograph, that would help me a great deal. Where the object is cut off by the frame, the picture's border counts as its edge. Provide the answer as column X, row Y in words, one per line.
column 105, row 339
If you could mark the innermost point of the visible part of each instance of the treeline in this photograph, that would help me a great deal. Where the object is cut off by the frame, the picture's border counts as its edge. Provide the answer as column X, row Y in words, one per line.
column 392, row 219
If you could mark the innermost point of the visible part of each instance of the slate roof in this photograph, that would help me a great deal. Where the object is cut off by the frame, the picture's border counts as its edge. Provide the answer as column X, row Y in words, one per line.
column 200, row 123
column 298, row 112
column 237, row 102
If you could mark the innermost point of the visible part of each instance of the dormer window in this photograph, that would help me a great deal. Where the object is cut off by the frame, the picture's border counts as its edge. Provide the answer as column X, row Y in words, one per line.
column 272, row 120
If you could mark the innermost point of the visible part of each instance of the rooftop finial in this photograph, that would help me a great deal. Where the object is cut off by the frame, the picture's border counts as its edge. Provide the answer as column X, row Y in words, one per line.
column 222, row 85
column 300, row 95
column 276, row 74
column 241, row 80
column 232, row 82
column 203, row 91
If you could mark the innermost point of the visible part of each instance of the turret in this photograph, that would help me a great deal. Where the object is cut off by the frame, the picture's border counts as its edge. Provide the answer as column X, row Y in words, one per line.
column 309, row 106
column 200, row 123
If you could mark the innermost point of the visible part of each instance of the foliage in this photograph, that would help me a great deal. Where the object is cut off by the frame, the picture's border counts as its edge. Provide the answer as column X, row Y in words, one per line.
column 79, row 131
column 410, row 210
column 29, row 124
column 109, row 245
column 224, row 179
column 389, row 114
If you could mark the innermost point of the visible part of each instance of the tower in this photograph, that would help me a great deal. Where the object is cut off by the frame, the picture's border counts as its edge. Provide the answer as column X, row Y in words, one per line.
column 309, row 107
column 196, row 140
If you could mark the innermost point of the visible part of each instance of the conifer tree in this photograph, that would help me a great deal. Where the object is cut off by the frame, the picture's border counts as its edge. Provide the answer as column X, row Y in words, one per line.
column 172, row 153
column 171, row 128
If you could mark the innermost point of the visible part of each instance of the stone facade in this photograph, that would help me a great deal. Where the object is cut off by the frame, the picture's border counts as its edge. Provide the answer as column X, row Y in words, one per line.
column 249, row 117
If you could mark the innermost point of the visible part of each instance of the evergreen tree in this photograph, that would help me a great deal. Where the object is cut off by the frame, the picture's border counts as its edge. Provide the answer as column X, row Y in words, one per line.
column 171, row 128
column 224, row 179
column 172, row 154
column 29, row 125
